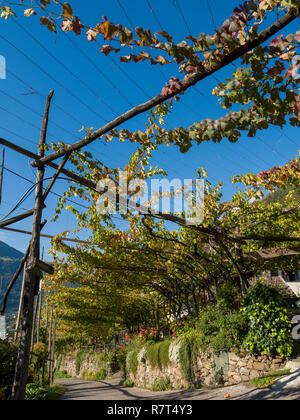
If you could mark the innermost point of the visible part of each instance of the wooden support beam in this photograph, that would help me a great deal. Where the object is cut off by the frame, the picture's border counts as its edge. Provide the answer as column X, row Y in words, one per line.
column 272, row 253
column 1, row 174
column 25, row 232
column 23, row 358
column 55, row 176
column 16, row 219
column 185, row 84
column 47, row 268
column 77, row 178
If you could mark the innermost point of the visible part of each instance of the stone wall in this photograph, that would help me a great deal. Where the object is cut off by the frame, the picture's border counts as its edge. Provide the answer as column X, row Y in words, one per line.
column 146, row 376
column 91, row 364
column 210, row 370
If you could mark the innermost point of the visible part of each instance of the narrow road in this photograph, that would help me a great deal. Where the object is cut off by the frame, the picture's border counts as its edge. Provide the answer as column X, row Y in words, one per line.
column 286, row 388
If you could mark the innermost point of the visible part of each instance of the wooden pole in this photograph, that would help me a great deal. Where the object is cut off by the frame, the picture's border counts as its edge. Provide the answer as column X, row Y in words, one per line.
column 50, row 344
column 20, row 307
column 46, row 331
column 21, row 372
column 39, row 308
column 25, row 232
column 34, row 322
column 53, row 351
column 38, row 326
column 1, row 174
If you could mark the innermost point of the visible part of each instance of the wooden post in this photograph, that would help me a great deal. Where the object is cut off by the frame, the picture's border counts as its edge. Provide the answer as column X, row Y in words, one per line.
column 21, row 372
column 1, row 174
column 35, row 303
column 53, row 351
column 38, row 327
column 50, row 344
column 39, row 308
column 20, row 307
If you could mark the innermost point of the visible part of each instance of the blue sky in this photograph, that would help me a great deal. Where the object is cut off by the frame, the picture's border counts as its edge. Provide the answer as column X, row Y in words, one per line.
column 78, row 86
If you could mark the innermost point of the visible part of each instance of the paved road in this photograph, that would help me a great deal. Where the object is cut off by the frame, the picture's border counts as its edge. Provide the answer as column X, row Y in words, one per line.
column 286, row 388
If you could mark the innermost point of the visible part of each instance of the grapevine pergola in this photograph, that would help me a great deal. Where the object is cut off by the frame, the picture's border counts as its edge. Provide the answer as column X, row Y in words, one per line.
column 197, row 73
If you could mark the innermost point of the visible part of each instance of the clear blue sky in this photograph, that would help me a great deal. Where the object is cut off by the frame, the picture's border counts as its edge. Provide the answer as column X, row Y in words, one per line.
column 136, row 83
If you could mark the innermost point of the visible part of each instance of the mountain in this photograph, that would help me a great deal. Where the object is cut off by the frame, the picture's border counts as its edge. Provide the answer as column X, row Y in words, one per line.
column 9, row 262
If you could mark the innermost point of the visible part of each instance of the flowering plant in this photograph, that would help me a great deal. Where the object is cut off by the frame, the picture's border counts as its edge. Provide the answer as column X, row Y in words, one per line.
column 147, row 334
column 179, row 327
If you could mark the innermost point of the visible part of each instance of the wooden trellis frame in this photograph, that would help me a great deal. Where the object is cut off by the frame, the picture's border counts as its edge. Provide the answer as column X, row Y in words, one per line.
column 33, row 266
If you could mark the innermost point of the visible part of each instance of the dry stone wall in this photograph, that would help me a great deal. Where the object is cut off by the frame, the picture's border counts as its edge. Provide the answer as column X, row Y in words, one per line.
column 210, row 370
column 89, row 365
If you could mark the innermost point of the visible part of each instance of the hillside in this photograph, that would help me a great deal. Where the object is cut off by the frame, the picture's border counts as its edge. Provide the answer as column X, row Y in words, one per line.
column 281, row 194
column 9, row 262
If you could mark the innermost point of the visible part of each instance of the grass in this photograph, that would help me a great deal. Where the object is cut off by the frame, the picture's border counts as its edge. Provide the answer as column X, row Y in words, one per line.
column 127, row 383
column 268, row 380
column 61, row 375
column 162, row 384
column 55, row 392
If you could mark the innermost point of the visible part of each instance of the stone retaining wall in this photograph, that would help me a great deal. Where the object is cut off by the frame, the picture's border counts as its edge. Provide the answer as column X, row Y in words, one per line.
column 210, row 370
column 91, row 364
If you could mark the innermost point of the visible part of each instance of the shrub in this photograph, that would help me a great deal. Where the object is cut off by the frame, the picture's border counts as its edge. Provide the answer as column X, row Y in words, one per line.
column 164, row 353
column 40, row 352
column 269, row 322
column 80, row 357
column 35, row 392
column 221, row 329
column 162, row 384
column 188, row 351
column 8, row 358
column 228, row 297
column 182, row 326
column 121, row 359
column 58, row 362
column 94, row 376
column 147, row 334
column 128, row 383
column 158, row 354
column 186, row 361
column 152, row 355
column 100, row 375
column 61, row 374
column 131, row 361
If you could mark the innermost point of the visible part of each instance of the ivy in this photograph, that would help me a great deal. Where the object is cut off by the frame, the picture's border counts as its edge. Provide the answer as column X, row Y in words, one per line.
column 269, row 323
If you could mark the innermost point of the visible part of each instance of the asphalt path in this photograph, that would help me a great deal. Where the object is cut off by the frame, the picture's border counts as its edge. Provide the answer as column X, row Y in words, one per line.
column 285, row 388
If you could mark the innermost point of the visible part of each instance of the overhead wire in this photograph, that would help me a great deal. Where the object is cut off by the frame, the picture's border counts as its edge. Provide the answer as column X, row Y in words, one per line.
column 53, row 78
column 102, row 73
column 234, row 65
column 177, row 4
column 55, row 58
